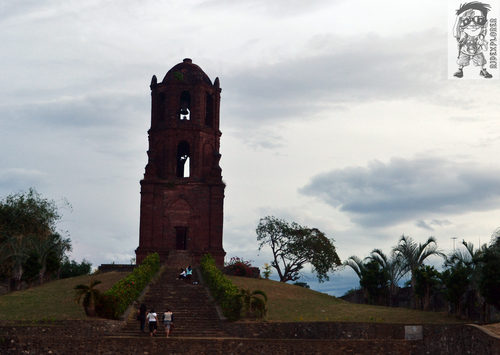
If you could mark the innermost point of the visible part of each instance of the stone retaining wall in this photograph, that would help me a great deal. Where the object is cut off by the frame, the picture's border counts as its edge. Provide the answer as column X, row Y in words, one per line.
column 116, row 267
column 99, row 337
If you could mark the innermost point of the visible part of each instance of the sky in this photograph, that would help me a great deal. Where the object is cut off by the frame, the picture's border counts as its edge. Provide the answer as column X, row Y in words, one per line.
column 335, row 114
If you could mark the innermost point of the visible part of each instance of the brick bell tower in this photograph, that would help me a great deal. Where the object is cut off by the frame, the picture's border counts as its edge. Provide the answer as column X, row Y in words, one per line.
column 182, row 192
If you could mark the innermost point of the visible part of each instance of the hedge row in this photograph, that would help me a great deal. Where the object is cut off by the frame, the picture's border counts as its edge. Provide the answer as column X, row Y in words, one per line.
column 221, row 288
column 114, row 302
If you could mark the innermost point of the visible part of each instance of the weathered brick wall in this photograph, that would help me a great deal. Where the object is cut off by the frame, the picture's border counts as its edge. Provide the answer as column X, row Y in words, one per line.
column 116, row 267
column 316, row 330
column 99, row 337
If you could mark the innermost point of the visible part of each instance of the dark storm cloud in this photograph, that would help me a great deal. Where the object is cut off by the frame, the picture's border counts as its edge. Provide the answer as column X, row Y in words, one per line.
column 383, row 194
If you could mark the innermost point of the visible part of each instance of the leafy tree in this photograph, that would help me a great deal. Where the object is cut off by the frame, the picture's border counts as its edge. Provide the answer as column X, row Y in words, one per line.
column 14, row 253
column 461, row 277
column 393, row 269
column 72, row 268
column 55, row 246
column 412, row 255
column 27, row 220
column 31, row 268
column 456, row 281
column 293, row 246
column 426, row 281
column 374, row 279
column 490, row 273
column 88, row 294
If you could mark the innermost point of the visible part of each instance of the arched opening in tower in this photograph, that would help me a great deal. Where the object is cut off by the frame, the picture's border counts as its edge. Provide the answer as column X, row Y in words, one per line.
column 183, row 161
column 185, row 111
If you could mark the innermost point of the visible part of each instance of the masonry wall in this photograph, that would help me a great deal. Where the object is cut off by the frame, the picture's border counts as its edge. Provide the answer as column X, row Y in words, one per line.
column 99, row 337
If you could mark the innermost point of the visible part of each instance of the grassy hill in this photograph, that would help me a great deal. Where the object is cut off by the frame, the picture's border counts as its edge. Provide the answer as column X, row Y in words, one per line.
column 288, row 303
column 291, row 303
column 52, row 301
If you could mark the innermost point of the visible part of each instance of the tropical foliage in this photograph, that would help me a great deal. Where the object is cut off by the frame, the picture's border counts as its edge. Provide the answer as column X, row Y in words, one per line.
column 114, row 302
column 293, row 246
column 89, row 295
column 412, row 256
column 254, row 303
column 238, row 267
column 29, row 239
column 221, row 288
column 469, row 281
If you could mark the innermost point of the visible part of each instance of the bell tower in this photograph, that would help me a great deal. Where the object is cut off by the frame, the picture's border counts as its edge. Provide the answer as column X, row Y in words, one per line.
column 182, row 192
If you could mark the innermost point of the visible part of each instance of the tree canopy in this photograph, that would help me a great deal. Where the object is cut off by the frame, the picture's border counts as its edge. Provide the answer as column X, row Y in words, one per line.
column 294, row 245
column 28, row 235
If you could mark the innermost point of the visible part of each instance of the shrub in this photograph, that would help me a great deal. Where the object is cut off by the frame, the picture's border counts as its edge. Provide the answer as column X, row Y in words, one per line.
column 241, row 267
column 115, row 301
column 254, row 303
column 89, row 294
column 267, row 271
column 221, row 288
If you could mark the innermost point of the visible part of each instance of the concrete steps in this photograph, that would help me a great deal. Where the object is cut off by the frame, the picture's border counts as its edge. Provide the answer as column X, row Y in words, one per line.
column 194, row 313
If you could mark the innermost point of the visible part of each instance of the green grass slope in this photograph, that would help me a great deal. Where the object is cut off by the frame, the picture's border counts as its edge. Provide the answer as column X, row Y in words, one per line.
column 289, row 303
column 52, row 301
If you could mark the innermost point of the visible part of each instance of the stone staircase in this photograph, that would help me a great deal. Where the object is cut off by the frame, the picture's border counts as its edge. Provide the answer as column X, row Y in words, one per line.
column 194, row 312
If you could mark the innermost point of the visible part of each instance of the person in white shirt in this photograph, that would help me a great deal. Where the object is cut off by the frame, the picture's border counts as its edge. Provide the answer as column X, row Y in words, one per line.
column 152, row 321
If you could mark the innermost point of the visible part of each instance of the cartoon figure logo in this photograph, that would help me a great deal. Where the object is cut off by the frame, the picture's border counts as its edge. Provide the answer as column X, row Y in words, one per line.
column 470, row 32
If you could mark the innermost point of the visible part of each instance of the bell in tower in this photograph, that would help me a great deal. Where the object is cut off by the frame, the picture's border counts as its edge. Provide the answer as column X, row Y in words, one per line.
column 182, row 192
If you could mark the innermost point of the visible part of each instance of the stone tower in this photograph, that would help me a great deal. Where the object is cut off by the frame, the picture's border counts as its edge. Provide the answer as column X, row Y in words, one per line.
column 182, row 192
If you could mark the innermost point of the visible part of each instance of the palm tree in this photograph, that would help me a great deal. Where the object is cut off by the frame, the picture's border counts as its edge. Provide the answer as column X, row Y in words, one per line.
column 254, row 302
column 359, row 268
column 89, row 294
column 356, row 264
column 393, row 268
column 465, row 263
column 412, row 255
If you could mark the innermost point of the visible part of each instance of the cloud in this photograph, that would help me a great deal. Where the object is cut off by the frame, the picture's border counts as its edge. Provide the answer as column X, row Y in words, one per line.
column 17, row 179
column 337, row 70
column 428, row 225
column 384, row 194
column 281, row 8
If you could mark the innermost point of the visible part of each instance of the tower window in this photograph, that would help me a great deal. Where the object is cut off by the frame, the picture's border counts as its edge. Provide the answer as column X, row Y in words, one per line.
column 209, row 108
column 185, row 111
column 183, row 161
column 161, row 106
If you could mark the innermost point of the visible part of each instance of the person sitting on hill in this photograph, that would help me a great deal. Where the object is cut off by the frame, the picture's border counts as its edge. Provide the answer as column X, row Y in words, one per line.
column 189, row 273
column 182, row 275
